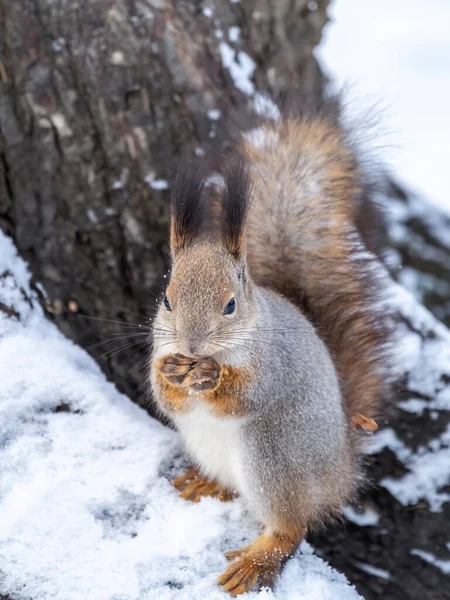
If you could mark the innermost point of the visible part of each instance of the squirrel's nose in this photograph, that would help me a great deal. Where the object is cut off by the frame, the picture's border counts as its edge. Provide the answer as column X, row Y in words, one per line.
column 193, row 349
column 192, row 345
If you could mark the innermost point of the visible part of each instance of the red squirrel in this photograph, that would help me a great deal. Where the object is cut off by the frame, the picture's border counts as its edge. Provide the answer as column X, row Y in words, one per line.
column 269, row 347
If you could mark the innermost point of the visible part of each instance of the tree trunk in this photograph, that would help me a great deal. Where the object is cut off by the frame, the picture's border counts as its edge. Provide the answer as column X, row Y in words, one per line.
column 97, row 98
column 418, row 236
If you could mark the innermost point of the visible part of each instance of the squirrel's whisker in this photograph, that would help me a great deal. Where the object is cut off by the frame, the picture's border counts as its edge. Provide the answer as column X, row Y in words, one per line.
column 124, row 336
column 227, row 349
column 166, row 343
column 244, row 338
column 122, row 323
column 114, row 351
column 164, row 325
column 145, row 356
column 166, row 331
column 156, row 296
column 145, row 317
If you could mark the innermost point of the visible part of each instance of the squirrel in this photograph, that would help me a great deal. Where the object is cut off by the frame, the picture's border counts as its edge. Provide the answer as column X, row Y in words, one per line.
column 269, row 346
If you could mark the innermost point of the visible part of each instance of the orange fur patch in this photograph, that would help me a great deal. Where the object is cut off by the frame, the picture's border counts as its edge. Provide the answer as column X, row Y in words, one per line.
column 174, row 396
column 227, row 399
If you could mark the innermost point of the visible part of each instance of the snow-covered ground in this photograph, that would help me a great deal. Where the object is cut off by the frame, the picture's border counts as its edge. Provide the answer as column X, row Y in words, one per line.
column 397, row 55
column 86, row 505
column 87, row 510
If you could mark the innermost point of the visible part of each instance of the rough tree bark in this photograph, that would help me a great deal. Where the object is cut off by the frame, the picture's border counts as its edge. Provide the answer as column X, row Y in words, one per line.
column 97, row 98
column 418, row 235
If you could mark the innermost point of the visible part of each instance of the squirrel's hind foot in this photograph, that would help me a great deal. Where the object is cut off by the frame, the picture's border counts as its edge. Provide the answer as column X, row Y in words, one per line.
column 193, row 486
column 258, row 564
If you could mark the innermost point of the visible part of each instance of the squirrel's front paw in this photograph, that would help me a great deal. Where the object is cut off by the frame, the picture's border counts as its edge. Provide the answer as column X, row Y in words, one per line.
column 175, row 368
column 204, row 375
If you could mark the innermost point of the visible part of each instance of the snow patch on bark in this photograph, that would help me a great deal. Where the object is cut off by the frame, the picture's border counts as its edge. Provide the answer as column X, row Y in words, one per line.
column 443, row 565
column 240, row 66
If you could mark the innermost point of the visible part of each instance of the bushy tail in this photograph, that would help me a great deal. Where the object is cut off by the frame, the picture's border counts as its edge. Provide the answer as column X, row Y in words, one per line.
column 303, row 242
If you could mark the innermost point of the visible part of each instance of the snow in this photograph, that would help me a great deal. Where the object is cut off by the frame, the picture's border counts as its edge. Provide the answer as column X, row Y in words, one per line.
column 117, row 58
column 59, row 121
column 265, row 107
column 368, row 517
column 261, row 137
column 438, row 224
column 398, row 54
column 86, row 505
column 58, row 45
column 156, row 184
column 417, row 208
column 234, row 34
column 92, row 216
column 369, row 569
column 428, row 467
column 429, row 472
column 443, row 565
column 240, row 66
column 214, row 114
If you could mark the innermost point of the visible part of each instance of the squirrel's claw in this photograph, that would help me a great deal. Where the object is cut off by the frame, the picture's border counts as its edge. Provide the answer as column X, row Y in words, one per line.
column 193, row 486
column 176, row 367
column 204, row 375
column 258, row 563
column 239, row 578
column 183, row 480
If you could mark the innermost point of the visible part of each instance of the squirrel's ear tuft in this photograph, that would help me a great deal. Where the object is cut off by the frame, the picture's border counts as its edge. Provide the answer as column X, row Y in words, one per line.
column 188, row 206
column 235, row 205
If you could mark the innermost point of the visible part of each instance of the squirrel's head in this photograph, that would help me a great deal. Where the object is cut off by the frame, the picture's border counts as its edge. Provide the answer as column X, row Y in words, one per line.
column 208, row 307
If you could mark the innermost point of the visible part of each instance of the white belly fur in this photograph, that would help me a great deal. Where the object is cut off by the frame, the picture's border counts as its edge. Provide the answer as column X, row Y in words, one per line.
column 214, row 444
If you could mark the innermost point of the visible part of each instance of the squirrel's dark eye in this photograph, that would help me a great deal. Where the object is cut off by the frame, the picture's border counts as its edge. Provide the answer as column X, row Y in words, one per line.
column 167, row 303
column 230, row 307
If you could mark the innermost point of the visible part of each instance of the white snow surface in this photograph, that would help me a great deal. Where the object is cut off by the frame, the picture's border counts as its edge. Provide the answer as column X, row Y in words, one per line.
column 398, row 54
column 428, row 365
column 86, row 505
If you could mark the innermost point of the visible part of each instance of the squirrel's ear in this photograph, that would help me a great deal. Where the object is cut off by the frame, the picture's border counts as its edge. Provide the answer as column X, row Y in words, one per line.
column 187, row 205
column 235, row 205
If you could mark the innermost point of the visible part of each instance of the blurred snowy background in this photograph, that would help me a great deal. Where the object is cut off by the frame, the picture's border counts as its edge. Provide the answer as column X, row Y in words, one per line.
column 397, row 55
